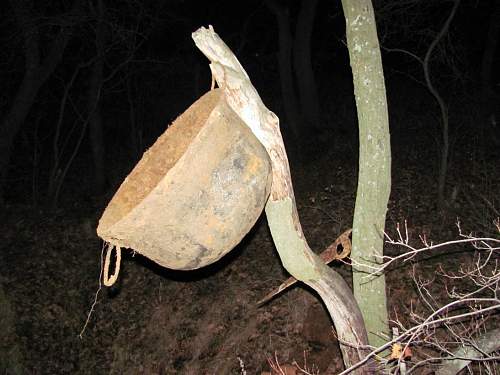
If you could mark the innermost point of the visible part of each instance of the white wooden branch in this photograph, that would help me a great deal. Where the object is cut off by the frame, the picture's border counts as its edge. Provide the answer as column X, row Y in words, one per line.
column 246, row 102
column 281, row 209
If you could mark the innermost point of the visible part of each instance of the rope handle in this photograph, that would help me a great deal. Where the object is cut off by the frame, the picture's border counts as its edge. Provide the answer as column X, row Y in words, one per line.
column 110, row 280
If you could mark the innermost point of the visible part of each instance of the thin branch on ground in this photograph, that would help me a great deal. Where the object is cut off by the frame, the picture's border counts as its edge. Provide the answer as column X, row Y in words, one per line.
column 435, row 329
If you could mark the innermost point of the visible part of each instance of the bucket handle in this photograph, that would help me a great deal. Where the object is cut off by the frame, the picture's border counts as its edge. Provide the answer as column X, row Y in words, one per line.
column 110, row 280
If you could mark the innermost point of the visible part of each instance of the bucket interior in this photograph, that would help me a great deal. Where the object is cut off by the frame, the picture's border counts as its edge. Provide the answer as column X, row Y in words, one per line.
column 159, row 159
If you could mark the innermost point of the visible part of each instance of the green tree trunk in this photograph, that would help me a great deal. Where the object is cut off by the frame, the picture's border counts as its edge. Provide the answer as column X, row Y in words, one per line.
column 374, row 176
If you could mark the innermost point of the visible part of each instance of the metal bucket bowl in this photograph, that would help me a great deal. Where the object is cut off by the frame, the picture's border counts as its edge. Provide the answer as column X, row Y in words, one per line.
column 195, row 193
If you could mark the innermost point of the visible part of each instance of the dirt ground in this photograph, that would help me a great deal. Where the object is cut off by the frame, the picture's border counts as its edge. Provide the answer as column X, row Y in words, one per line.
column 157, row 321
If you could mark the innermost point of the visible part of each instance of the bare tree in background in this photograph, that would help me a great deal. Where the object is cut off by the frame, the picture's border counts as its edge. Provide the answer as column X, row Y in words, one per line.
column 37, row 70
column 288, row 92
column 94, row 97
column 445, row 126
column 107, row 34
column 301, row 104
column 430, row 79
column 304, row 73
column 489, row 98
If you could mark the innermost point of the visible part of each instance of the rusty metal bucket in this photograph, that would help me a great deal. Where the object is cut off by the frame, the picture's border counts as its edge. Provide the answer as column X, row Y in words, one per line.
column 195, row 193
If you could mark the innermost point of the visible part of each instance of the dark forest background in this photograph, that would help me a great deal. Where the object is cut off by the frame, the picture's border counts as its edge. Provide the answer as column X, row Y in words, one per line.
column 89, row 85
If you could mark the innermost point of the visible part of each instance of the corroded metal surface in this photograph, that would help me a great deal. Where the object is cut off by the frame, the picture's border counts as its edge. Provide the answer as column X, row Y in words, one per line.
column 195, row 193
